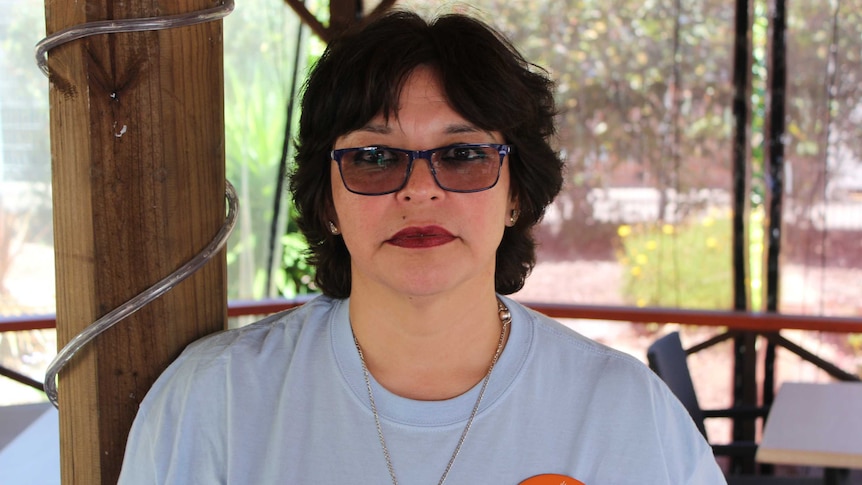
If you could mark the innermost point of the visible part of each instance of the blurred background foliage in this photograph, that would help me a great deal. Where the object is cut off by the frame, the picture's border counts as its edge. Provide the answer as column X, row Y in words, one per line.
column 262, row 76
column 683, row 265
column 645, row 95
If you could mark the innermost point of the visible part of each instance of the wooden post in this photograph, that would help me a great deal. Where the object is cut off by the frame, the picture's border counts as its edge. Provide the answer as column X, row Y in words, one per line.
column 137, row 142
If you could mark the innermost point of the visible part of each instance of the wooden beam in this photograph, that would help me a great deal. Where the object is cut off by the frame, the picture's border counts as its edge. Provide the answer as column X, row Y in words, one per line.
column 342, row 14
column 137, row 145
column 309, row 19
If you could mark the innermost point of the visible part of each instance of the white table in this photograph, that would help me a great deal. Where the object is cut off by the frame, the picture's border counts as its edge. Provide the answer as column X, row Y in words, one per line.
column 815, row 424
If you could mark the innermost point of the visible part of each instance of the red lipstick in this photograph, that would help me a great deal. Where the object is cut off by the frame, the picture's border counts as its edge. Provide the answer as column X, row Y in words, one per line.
column 421, row 237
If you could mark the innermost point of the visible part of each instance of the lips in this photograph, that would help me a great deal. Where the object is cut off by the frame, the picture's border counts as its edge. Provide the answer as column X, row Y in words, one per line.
column 421, row 237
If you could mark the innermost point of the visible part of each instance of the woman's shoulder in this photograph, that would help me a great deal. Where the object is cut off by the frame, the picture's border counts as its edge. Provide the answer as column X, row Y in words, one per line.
column 565, row 335
column 274, row 333
column 569, row 347
column 576, row 368
column 245, row 355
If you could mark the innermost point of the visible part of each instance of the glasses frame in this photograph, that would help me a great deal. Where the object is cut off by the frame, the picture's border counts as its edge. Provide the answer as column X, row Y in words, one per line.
column 502, row 150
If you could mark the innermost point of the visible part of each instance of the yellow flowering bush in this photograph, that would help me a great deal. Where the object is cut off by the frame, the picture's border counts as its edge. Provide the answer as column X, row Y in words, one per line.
column 684, row 265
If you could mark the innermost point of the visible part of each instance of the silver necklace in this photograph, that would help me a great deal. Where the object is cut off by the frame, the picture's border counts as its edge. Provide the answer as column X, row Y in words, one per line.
column 505, row 319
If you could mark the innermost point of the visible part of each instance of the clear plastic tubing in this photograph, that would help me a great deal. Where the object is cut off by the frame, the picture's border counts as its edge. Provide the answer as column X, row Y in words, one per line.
column 76, row 32
column 163, row 286
column 166, row 284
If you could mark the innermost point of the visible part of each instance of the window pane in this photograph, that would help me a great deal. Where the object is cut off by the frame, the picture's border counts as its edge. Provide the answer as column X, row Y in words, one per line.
column 821, row 253
column 260, row 50
column 26, row 239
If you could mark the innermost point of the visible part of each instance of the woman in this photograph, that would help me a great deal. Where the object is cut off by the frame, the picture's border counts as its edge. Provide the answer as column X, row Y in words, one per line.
column 423, row 163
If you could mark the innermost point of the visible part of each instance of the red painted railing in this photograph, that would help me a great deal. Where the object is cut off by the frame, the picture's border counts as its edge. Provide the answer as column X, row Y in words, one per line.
column 761, row 322
column 731, row 320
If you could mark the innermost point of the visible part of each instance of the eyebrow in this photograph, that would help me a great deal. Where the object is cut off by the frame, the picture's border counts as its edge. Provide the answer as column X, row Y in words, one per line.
column 381, row 129
column 376, row 128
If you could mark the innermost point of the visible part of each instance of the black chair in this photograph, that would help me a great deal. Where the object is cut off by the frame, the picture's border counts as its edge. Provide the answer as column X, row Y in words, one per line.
column 667, row 358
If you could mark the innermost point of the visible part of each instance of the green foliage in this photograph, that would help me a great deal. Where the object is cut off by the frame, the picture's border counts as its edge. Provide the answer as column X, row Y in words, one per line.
column 686, row 265
column 760, row 29
column 629, row 91
column 755, row 258
column 824, row 96
column 258, row 64
column 253, row 147
column 298, row 276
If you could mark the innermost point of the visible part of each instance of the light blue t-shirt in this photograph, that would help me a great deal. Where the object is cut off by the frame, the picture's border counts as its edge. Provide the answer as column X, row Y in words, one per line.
column 284, row 401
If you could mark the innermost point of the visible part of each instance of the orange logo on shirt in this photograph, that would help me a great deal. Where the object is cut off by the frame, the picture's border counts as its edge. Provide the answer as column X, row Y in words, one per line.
column 551, row 479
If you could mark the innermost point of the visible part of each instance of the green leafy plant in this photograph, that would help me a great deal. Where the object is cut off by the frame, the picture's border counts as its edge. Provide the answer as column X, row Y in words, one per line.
column 257, row 66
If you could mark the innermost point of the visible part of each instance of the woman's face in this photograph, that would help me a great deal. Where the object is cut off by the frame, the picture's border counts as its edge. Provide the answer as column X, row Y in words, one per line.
column 421, row 239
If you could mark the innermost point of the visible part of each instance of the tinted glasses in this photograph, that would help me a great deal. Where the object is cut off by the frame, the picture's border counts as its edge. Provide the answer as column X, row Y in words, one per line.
column 456, row 168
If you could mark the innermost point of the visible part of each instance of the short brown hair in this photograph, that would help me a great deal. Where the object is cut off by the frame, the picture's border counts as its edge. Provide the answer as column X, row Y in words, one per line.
column 486, row 81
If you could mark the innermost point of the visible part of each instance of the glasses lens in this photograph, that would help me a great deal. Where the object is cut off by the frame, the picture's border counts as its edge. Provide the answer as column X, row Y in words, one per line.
column 456, row 168
column 467, row 168
column 373, row 170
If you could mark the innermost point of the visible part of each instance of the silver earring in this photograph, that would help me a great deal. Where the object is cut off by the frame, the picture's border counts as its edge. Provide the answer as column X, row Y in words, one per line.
column 333, row 229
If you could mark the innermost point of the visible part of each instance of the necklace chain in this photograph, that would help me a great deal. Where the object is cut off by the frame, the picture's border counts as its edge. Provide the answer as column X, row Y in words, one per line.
column 505, row 319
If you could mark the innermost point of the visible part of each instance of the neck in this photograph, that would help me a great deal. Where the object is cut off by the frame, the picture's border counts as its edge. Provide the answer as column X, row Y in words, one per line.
column 427, row 348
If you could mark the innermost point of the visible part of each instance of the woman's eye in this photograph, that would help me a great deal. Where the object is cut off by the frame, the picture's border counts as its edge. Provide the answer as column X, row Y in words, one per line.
column 378, row 158
column 464, row 154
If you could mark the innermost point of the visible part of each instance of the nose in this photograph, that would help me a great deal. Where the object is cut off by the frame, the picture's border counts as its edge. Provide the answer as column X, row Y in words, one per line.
column 421, row 183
